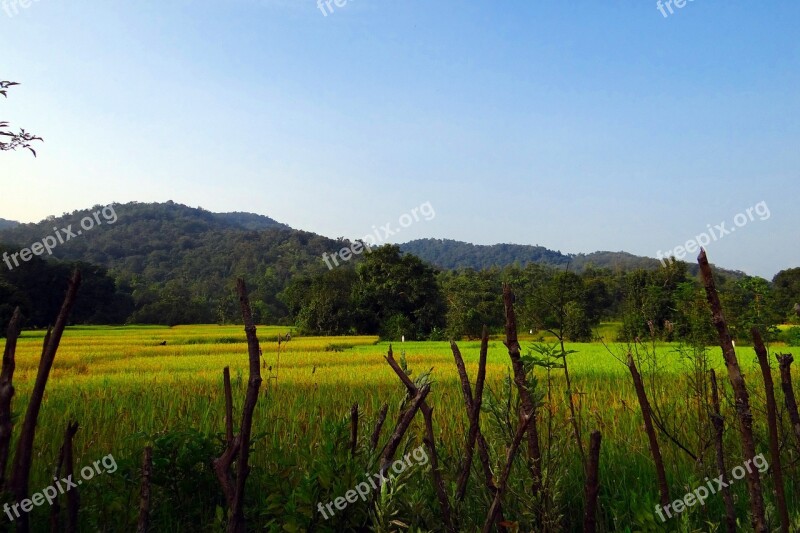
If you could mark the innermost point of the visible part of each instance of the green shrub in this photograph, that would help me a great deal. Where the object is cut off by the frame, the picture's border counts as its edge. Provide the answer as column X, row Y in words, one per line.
column 791, row 336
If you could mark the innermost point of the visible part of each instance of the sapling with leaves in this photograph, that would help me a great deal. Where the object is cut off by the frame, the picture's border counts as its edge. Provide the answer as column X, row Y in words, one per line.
column 664, row 400
column 636, row 356
column 551, row 357
column 642, row 333
column 559, row 310
column 693, row 327
column 501, row 406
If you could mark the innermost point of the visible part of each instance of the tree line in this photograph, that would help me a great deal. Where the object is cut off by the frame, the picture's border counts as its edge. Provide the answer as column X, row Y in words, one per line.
column 172, row 264
column 392, row 294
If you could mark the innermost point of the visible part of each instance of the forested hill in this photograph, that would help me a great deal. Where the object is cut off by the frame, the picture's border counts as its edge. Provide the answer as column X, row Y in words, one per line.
column 167, row 263
column 449, row 254
column 159, row 242
column 152, row 239
column 7, row 223
column 167, row 253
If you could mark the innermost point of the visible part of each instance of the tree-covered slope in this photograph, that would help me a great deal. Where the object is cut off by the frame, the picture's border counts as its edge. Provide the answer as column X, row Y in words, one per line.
column 4, row 224
column 173, row 264
column 169, row 253
column 450, row 254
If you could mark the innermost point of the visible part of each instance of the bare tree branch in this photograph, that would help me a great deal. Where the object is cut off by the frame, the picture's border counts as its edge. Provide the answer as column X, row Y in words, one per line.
column 22, row 139
column 512, row 452
column 144, row 490
column 592, row 488
column 430, row 441
column 521, row 381
column 719, row 430
column 7, row 391
column 376, row 433
column 758, row 515
column 772, row 425
column 21, row 469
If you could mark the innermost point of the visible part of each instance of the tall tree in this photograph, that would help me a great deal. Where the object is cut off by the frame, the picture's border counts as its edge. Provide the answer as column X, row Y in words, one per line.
column 786, row 293
column 472, row 301
column 748, row 303
column 397, row 288
column 322, row 304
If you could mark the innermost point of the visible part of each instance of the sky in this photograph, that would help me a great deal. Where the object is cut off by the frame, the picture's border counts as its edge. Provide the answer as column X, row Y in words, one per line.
column 579, row 126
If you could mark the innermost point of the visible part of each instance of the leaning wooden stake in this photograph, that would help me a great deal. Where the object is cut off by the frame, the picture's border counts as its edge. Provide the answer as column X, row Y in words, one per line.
column 592, row 488
column 65, row 461
column 785, row 364
column 772, row 425
column 402, row 426
column 7, row 391
column 473, row 407
column 353, row 429
column 647, row 415
column 741, row 395
column 521, row 381
column 73, row 498
column 430, row 442
column 23, row 458
column 226, row 384
column 376, row 433
column 474, row 433
column 512, row 452
column 719, row 430
column 144, row 491
column 239, row 448
column 222, row 465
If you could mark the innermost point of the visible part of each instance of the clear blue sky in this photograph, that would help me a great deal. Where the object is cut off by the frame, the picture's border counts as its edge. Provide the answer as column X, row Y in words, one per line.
column 580, row 125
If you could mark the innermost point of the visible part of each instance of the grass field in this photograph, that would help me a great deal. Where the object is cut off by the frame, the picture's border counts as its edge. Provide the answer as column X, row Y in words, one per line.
column 128, row 391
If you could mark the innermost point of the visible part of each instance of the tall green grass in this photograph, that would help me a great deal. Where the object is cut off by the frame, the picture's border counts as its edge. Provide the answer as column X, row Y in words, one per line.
column 126, row 390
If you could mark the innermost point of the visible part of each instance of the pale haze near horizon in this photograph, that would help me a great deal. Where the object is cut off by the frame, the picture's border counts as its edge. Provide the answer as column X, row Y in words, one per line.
column 580, row 127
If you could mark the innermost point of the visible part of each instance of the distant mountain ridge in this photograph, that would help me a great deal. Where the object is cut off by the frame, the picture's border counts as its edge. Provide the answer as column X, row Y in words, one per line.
column 451, row 254
column 5, row 224
column 160, row 241
column 164, row 241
